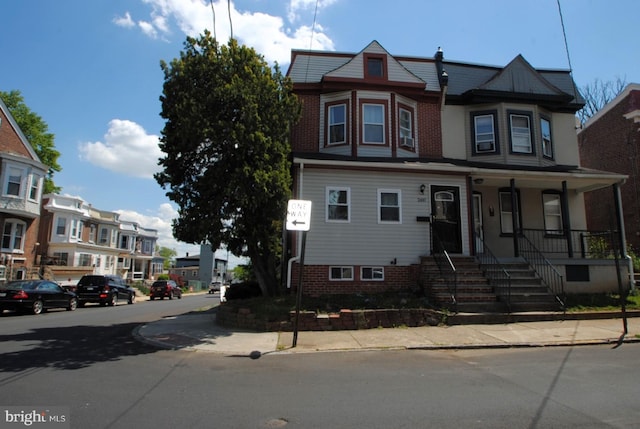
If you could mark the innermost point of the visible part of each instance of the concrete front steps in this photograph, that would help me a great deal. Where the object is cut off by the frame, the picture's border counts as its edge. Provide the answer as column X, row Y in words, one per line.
column 476, row 293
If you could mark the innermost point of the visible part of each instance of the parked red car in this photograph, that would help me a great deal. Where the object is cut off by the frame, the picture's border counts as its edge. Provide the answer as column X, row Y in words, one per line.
column 162, row 288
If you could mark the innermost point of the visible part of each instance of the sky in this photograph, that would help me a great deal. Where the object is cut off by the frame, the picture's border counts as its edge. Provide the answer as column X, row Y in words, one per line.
column 91, row 69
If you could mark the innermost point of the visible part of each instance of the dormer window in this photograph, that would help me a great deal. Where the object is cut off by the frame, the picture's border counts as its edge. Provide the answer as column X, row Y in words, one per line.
column 405, row 128
column 520, row 129
column 373, row 123
column 374, row 66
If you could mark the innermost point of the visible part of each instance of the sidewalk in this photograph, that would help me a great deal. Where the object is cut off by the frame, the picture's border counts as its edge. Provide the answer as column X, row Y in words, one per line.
column 198, row 331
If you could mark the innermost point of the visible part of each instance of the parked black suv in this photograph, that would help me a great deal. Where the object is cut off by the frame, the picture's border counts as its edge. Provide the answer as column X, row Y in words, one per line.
column 104, row 289
column 162, row 288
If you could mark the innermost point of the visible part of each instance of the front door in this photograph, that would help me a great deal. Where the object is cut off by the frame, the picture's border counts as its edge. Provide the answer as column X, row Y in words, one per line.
column 445, row 218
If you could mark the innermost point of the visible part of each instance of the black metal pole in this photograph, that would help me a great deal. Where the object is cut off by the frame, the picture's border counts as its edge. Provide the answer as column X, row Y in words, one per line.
column 299, row 291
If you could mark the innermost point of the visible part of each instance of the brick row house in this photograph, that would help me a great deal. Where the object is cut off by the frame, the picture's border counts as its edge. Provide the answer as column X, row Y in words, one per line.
column 21, row 177
column 78, row 239
column 410, row 161
column 609, row 141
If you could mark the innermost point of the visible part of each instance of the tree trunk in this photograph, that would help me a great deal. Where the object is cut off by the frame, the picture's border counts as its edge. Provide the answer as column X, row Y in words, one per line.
column 264, row 270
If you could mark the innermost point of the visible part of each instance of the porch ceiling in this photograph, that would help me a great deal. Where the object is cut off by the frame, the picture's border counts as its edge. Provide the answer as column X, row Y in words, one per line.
column 579, row 180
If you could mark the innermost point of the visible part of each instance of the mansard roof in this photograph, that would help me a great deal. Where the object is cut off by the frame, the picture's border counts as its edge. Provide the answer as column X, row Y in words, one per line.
column 315, row 67
column 518, row 81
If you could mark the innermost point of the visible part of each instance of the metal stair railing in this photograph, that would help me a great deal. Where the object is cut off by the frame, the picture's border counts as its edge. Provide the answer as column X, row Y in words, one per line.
column 446, row 267
column 493, row 270
column 550, row 276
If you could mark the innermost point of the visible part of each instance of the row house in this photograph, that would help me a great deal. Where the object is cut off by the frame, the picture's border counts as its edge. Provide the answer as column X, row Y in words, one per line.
column 412, row 159
column 78, row 239
column 610, row 140
column 21, row 177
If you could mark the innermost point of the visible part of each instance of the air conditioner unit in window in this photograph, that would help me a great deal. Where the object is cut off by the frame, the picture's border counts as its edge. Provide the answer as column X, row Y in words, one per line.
column 406, row 141
column 483, row 147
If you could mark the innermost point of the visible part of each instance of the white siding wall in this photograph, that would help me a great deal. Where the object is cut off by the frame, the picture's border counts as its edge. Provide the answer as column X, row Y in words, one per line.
column 363, row 241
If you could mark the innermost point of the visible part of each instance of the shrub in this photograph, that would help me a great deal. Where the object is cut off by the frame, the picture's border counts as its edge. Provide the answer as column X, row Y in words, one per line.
column 243, row 290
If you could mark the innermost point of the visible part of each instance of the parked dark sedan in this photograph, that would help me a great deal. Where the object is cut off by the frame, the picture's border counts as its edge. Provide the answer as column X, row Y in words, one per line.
column 35, row 296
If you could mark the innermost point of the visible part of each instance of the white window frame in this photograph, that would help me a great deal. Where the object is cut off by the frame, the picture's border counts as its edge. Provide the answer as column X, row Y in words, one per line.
column 84, row 259
column 373, row 273
column 331, row 124
column 405, row 128
column 552, row 208
column 345, row 273
column 16, row 235
column 366, row 124
column 329, row 195
column 520, row 135
column 13, row 177
column 382, row 206
column 483, row 138
column 34, row 187
column 92, row 233
column 547, row 141
column 61, row 226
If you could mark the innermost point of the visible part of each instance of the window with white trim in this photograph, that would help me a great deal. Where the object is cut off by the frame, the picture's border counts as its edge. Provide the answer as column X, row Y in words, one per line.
column 373, row 123
column 84, row 260
column 552, row 207
column 337, row 115
column 34, row 189
column 13, row 235
column 484, row 134
column 547, row 144
column 520, row 127
column 389, row 201
column 372, row 273
column 92, row 233
column 14, row 181
column 340, row 273
column 61, row 227
column 338, row 204
column 405, row 124
column 104, row 236
column 61, row 258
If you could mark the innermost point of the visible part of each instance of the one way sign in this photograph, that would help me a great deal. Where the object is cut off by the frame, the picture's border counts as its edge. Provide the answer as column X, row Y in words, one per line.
column 298, row 215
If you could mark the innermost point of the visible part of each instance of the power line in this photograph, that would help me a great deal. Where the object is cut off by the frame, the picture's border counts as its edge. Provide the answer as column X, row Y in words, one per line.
column 313, row 29
column 564, row 34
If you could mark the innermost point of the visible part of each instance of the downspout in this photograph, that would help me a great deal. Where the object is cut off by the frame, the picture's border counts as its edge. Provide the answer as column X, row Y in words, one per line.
column 296, row 258
column 621, row 233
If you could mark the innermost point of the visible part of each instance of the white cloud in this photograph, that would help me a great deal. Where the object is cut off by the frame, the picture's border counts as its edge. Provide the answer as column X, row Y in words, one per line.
column 124, row 21
column 127, row 149
column 269, row 35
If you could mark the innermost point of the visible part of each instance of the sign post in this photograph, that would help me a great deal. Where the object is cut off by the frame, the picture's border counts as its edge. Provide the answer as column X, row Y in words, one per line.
column 299, row 219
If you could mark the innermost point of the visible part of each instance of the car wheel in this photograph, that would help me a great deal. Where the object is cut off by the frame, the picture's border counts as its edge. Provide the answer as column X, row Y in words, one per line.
column 114, row 300
column 37, row 306
column 132, row 298
column 73, row 304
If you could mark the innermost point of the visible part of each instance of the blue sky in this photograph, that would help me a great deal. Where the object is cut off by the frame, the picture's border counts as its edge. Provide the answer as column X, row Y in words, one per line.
column 91, row 69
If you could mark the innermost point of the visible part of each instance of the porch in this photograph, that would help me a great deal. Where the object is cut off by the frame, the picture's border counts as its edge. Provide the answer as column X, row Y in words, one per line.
column 546, row 268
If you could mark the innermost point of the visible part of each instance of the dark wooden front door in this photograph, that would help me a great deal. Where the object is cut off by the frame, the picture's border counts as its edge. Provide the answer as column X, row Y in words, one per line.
column 445, row 219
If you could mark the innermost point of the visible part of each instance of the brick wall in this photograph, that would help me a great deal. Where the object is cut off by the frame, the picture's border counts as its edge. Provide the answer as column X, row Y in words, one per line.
column 611, row 144
column 316, row 282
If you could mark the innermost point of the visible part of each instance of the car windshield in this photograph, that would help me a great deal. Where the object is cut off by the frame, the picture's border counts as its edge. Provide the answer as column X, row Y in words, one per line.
column 22, row 285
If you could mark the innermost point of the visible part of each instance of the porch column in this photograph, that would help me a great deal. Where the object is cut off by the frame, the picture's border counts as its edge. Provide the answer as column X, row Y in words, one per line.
column 514, row 218
column 621, row 233
column 566, row 219
column 472, row 217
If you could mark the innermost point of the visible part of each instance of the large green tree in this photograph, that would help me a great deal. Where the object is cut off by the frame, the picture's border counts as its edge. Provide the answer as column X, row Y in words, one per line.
column 228, row 117
column 169, row 256
column 36, row 130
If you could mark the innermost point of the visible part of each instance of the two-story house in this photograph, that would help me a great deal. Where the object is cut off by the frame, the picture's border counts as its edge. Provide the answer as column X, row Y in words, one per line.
column 76, row 239
column 609, row 141
column 21, row 177
column 405, row 158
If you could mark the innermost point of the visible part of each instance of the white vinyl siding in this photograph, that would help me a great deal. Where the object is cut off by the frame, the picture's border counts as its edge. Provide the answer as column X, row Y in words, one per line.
column 363, row 241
